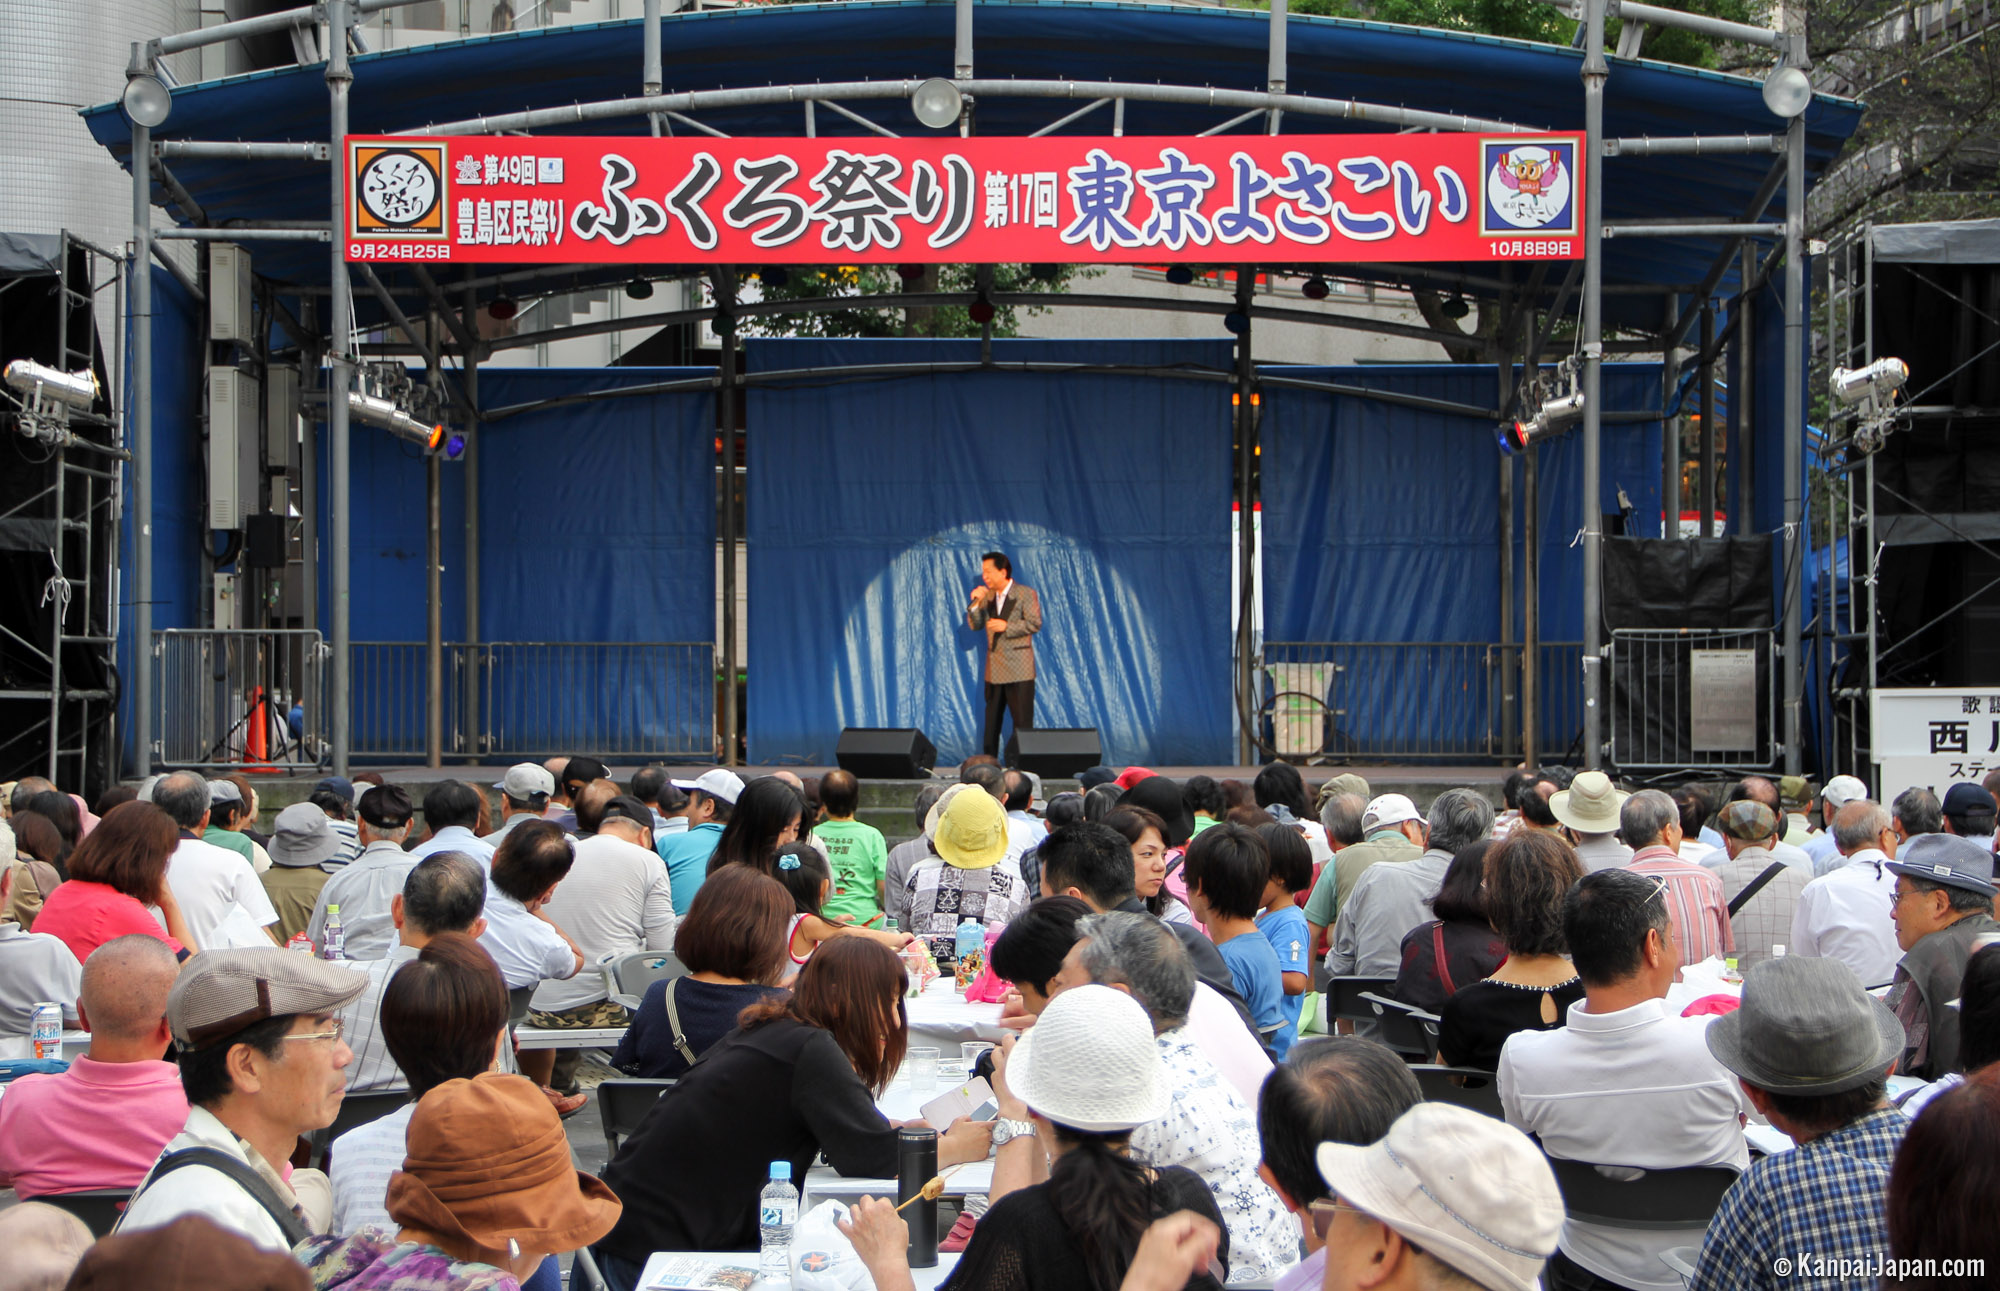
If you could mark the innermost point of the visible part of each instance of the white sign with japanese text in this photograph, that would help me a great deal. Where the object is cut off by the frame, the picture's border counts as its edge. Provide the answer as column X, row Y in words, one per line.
column 1934, row 737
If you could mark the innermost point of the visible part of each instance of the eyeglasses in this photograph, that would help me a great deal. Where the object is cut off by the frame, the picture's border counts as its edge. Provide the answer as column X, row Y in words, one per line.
column 1321, row 1214
column 333, row 1031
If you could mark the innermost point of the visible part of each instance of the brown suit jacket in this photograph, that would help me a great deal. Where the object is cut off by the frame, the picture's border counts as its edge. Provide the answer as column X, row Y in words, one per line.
column 1010, row 655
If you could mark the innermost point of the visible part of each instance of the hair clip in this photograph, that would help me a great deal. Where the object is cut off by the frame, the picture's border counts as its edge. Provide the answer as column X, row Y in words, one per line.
column 788, row 862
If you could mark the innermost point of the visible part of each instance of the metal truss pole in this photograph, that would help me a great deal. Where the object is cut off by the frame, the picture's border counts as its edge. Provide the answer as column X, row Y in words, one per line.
column 340, row 365
column 1795, row 419
column 1595, row 72
column 1246, row 522
column 725, row 301
column 140, row 401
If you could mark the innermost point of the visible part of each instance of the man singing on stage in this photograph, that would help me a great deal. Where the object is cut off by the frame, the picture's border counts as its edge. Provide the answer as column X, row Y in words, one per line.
column 1010, row 614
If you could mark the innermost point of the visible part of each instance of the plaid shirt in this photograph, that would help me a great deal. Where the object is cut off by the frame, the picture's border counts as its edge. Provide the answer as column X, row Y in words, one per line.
column 1695, row 903
column 1766, row 920
column 1820, row 1201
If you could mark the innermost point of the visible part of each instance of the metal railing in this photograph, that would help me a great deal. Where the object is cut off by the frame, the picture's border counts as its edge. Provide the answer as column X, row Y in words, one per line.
column 1693, row 697
column 225, row 698
column 392, row 695
column 1415, row 700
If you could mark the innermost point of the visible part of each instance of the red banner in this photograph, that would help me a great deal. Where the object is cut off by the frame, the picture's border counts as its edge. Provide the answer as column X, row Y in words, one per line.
column 509, row 199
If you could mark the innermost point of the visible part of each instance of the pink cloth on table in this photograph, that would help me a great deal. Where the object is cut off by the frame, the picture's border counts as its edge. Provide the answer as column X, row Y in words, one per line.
column 1712, row 1006
column 97, row 1125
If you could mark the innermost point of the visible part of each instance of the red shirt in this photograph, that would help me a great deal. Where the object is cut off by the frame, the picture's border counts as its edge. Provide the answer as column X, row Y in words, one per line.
column 97, row 1125
column 86, row 915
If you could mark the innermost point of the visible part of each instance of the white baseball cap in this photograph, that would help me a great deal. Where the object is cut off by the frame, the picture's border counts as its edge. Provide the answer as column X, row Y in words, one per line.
column 1389, row 809
column 526, row 781
column 1473, row 1192
column 1843, row 789
column 718, row 783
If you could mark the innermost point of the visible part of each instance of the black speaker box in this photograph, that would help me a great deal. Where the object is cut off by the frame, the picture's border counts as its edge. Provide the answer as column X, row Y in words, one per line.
column 1055, row 753
column 264, row 541
column 885, row 753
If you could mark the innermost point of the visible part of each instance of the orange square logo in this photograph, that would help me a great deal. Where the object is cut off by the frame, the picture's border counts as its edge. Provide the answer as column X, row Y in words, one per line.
column 397, row 190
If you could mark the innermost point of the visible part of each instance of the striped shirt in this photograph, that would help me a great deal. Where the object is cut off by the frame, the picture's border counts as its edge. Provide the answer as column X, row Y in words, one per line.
column 1694, row 902
column 359, row 1168
column 373, row 1069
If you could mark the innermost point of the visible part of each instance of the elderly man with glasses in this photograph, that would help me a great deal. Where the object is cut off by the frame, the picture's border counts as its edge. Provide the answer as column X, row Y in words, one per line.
column 1628, row 1082
column 262, row 1063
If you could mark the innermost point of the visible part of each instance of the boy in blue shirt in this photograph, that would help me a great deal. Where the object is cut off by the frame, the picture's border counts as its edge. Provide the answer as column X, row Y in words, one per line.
column 1281, row 920
column 1227, row 868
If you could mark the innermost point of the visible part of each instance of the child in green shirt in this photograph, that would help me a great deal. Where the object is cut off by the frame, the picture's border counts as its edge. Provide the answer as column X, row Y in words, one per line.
column 857, row 853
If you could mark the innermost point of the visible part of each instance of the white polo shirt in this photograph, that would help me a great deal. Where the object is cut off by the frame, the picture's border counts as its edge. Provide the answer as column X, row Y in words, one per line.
column 1844, row 915
column 1637, row 1087
column 616, row 899
column 212, row 884
column 527, row 950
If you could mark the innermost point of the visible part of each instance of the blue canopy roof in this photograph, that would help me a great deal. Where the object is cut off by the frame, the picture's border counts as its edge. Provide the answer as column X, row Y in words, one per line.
column 1535, row 85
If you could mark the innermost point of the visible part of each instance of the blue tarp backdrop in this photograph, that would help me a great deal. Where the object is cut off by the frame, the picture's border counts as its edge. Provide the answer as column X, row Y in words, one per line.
column 871, row 500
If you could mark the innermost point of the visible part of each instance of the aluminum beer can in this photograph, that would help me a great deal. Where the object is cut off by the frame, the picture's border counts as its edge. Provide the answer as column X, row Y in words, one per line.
column 48, row 1028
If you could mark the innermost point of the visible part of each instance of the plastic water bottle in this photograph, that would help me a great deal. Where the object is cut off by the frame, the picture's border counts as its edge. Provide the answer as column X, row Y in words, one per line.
column 335, row 945
column 777, row 1212
column 970, row 938
column 46, row 1025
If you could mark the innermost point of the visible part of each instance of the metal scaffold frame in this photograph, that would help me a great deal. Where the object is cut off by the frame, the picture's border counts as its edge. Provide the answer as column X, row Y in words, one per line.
column 1534, row 307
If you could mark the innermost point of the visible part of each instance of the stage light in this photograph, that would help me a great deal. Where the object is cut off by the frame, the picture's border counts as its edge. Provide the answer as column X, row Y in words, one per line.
column 1455, row 307
column 1045, row 272
column 909, row 273
column 980, row 311
column 1236, row 321
column 374, row 410
column 1882, row 377
column 502, row 309
column 937, row 103
column 1315, row 288
column 147, row 101
column 454, row 447
column 43, row 383
column 1551, row 419
column 638, row 289
column 1787, row 91
column 1180, row 275
column 775, row 276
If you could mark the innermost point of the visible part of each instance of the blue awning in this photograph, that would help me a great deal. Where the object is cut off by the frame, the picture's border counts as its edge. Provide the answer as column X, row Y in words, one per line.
column 1535, row 85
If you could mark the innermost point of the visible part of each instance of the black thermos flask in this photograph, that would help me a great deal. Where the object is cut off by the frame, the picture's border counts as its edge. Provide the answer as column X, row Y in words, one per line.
column 916, row 1165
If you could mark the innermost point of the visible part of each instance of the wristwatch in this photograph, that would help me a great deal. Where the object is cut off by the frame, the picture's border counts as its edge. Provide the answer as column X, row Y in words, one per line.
column 1006, row 1131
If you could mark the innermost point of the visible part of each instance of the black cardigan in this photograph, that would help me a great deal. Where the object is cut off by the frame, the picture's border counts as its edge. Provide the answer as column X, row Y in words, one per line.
column 1022, row 1243
column 782, row 1091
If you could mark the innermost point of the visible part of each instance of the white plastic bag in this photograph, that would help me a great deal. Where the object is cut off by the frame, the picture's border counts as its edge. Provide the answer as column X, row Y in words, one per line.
column 822, row 1258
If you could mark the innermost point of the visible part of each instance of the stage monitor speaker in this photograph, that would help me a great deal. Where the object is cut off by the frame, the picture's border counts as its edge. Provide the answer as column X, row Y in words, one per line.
column 1054, row 752
column 885, row 752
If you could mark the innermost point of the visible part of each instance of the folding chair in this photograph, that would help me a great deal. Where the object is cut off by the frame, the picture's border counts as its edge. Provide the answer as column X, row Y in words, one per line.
column 1480, row 1092
column 1683, row 1197
column 1682, row 1259
column 1344, row 1002
column 623, row 1104
column 627, row 975
column 1402, row 1026
column 98, row 1208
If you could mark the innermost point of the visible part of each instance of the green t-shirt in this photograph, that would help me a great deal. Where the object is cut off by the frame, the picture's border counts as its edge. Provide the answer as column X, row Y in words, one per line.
column 232, row 840
column 860, row 861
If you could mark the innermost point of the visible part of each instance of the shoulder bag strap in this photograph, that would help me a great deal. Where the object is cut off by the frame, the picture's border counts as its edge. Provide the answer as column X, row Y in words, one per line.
column 1437, row 952
column 246, row 1178
column 674, row 1020
column 1756, row 886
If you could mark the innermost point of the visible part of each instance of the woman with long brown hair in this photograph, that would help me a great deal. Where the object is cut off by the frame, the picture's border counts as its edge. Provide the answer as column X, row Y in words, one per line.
column 799, row 1078
column 113, row 876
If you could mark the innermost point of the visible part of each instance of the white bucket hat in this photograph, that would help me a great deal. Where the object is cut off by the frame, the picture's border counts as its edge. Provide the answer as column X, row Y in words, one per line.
column 1472, row 1191
column 1590, row 804
column 1091, row 1063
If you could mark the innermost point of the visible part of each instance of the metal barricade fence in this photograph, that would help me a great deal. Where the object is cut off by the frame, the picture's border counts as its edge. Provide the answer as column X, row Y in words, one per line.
column 391, row 695
column 225, row 698
column 1693, row 697
column 1414, row 700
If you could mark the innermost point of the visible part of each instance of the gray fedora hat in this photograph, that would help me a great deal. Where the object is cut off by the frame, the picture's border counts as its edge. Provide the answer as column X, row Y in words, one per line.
column 1807, row 1027
column 1948, row 859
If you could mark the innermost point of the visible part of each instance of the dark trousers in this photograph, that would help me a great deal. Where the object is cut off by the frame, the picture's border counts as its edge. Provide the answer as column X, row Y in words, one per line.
column 1016, row 697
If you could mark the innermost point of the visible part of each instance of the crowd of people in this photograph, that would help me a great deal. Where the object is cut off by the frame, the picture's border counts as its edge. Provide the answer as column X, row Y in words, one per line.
column 1177, row 1103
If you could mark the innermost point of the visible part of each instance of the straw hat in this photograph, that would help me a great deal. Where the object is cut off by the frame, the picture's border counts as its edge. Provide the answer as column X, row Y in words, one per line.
column 1090, row 1062
column 1590, row 804
column 488, row 1163
column 972, row 831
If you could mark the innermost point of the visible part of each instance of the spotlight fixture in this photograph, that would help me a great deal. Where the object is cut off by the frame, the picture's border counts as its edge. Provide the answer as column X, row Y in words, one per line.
column 454, row 446
column 775, row 276
column 1552, row 418
column 937, row 103
column 910, row 272
column 1045, row 272
column 1236, row 321
column 1455, row 307
column 638, row 289
column 1787, row 91
column 43, row 384
column 980, row 311
column 374, row 410
column 1314, row 288
column 502, row 309
column 1850, row 385
column 1180, row 275
column 147, row 101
